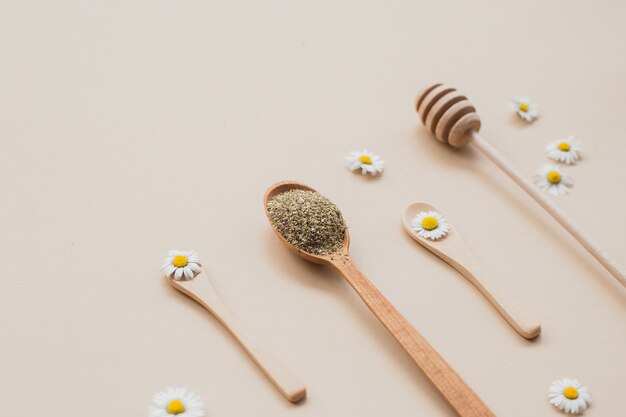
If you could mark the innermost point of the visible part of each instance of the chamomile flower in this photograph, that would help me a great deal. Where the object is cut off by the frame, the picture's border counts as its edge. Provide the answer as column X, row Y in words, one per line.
column 430, row 225
column 569, row 395
column 367, row 161
column 564, row 150
column 176, row 402
column 552, row 179
column 181, row 265
column 525, row 109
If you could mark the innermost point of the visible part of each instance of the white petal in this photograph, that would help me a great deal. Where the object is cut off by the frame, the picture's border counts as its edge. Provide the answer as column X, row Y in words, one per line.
column 188, row 273
column 178, row 274
column 169, row 270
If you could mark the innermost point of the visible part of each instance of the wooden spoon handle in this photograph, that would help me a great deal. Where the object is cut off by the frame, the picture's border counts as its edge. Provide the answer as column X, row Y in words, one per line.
column 201, row 291
column 506, row 304
column 559, row 215
column 288, row 385
column 460, row 396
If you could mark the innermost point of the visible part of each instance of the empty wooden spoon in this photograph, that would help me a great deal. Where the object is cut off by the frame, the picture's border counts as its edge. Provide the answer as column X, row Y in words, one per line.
column 201, row 290
column 460, row 396
column 452, row 249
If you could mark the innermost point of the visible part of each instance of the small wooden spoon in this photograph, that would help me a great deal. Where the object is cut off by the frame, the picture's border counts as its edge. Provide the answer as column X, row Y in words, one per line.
column 453, row 250
column 201, row 290
column 460, row 396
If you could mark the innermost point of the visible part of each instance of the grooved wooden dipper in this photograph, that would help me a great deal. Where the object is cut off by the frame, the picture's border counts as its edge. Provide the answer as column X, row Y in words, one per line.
column 448, row 115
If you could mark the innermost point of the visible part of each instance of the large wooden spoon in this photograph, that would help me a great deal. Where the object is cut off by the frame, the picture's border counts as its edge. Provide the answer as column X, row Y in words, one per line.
column 452, row 249
column 460, row 396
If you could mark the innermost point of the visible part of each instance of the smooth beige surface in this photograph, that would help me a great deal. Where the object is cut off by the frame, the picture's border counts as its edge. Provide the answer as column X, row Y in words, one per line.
column 131, row 128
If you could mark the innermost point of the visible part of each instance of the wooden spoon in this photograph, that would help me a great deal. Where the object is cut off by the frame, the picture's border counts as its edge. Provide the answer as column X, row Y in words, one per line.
column 201, row 290
column 460, row 396
column 453, row 250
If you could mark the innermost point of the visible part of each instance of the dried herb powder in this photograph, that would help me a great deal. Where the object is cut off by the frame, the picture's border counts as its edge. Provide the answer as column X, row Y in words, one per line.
column 307, row 220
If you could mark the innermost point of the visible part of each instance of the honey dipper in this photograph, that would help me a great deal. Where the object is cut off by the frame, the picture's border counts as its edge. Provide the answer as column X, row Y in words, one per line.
column 453, row 120
column 458, row 394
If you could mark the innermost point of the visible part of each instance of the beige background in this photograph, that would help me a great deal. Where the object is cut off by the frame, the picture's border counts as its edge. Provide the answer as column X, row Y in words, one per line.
column 129, row 128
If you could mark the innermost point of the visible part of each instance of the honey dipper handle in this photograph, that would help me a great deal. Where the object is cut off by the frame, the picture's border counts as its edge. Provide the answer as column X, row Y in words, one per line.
column 559, row 215
column 460, row 396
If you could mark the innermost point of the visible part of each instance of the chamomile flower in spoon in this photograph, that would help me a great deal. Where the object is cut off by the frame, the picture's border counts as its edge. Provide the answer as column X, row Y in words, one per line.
column 181, row 265
column 430, row 225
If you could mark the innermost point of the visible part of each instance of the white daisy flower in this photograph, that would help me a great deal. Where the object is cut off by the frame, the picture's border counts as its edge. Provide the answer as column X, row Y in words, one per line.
column 569, row 395
column 430, row 225
column 552, row 179
column 367, row 161
column 525, row 109
column 181, row 265
column 564, row 150
column 176, row 402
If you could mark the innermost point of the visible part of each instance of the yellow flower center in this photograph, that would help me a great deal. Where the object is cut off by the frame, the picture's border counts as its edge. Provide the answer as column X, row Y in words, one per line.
column 176, row 407
column 365, row 159
column 180, row 261
column 564, row 146
column 554, row 177
column 430, row 223
column 570, row 393
column 523, row 107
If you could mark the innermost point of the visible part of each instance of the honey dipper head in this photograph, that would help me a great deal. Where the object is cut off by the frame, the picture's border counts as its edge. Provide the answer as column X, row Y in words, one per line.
column 447, row 114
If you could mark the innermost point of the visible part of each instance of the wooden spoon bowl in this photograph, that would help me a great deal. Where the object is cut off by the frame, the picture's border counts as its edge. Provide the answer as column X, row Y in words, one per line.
column 282, row 187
